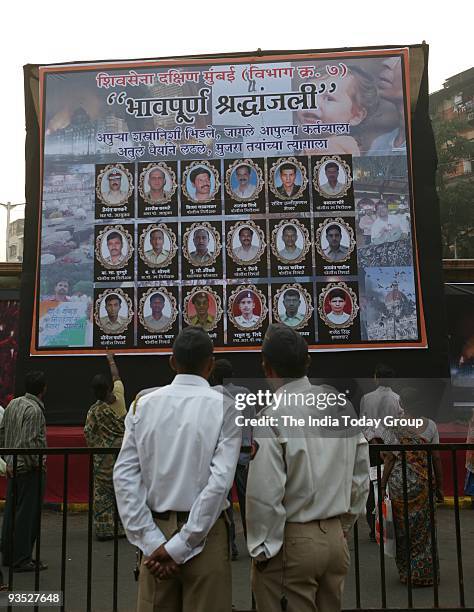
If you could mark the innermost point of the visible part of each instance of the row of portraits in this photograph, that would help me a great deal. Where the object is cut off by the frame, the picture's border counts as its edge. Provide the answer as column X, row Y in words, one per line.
column 245, row 244
column 246, row 310
column 200, row 181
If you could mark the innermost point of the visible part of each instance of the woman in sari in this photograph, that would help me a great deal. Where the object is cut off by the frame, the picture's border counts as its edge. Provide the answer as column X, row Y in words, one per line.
column 105, row 428
column 419, row 526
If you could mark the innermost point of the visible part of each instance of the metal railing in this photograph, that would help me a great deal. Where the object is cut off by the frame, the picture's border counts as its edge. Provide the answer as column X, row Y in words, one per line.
column 429, row 449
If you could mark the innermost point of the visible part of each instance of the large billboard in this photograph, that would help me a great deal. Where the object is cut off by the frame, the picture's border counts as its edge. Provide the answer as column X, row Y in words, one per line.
column 230, row 194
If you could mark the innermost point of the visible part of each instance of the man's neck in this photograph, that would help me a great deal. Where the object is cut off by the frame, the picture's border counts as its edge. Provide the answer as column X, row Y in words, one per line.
column 60, row 298
column 292, row 247
column 156, row 195
column 332, row 183
column 157, row 317
column 157, row 252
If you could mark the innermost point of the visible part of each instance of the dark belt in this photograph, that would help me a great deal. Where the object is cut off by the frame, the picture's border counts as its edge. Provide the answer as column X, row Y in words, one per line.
column 165, row 516
column 182, row 516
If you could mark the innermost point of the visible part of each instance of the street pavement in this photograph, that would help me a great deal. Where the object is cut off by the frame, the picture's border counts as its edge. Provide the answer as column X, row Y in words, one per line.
column 102, row 568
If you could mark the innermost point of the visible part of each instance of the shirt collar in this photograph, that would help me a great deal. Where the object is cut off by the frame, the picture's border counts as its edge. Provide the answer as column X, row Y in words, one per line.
column 32, row 397
column 299, row 384
column 190, row 379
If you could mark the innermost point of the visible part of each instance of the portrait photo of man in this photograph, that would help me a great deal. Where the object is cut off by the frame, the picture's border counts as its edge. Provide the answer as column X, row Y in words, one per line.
column 117, row 250
column 115, row 188
column 200, row 182
column 158, row 254
column 289, row 187
column 290, row 306
column 334, row 251
column 289, row 236
column 246, row 303
column 243, row 182
column 157, row 321
column 338, row 301
column 202, row 254
column 202, row 317
column 247, row 250
column 157, row 180
column 113, row 322
column 329, row 179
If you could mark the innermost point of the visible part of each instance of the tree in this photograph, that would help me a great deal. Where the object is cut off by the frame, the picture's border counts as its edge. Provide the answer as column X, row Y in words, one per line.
column 456, row 196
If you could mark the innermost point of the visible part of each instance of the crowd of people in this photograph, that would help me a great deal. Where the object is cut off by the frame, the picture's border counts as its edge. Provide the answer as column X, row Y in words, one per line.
column 181, row 450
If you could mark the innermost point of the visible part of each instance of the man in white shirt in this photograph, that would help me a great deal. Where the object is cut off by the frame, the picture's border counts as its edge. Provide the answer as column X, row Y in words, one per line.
column 305, row 490
column 379, row 403
column 172, row 478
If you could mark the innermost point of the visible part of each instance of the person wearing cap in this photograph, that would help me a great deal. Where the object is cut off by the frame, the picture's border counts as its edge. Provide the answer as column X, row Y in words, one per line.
column 246, row 303
column 202, row 318
column 306, row 487
column 201, row 255
column 115, row 195
column 172, row 477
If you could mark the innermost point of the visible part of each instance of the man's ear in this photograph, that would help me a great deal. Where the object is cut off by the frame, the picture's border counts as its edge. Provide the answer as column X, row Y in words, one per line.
column 173, row 364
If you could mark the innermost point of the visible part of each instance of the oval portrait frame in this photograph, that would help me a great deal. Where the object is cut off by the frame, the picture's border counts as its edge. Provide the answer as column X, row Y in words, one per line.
column 304, row 294
column 195, row 164
column 173, row 244
column 317, row 167
column 206, row 289
column 263, row 301
column 230, row 235
column 141, row 182
column 228, row 179
column 98, row 243
column 101, row 175
column 273, row 170
column 306, row 241
column 174, row 309
column 322, row 298
column 217, row 241
column 322, row 228
column 98, row 302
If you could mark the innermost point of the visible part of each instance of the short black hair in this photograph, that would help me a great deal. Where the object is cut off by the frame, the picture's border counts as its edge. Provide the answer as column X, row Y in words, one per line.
column 292, row 293
column 112, row 296
column 340, row 293
column 289, row 227
column 222, row 370
column 383, row 370
column 286, row 351
column 412, row 401
column 157, row 296
column 200, row 170
column 113, row 235
column 287, row 166
column 156, row 230
column 35, row 382
column 332, row 227
column 331, row 165
column 192, row 348
column 101, row 387
column 245, row 228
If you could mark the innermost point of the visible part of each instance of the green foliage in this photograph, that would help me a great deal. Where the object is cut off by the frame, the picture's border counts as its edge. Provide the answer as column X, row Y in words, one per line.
column 456, row 195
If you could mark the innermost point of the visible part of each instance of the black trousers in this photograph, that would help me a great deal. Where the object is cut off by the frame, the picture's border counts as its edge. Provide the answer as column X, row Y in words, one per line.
column 371, row 501
column 17, row 546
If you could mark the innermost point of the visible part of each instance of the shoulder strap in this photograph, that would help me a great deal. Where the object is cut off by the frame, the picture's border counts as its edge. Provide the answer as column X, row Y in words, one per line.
column 134, row 404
